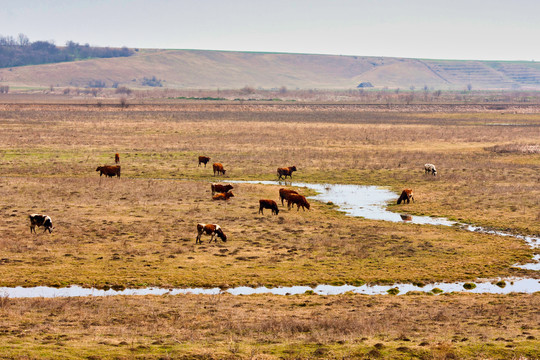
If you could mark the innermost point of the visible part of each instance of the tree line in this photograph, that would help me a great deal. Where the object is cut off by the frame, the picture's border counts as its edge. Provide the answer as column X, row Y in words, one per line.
column 20, row 51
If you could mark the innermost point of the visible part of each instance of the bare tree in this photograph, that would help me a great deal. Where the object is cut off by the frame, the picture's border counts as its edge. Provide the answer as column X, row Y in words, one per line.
column 23, row 40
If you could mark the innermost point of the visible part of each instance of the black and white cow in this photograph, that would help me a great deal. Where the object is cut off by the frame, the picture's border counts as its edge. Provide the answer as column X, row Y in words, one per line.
column 40, row 220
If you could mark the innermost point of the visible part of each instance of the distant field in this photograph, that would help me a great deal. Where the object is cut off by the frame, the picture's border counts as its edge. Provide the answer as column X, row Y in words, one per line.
column 200, row 69
column 139, row 230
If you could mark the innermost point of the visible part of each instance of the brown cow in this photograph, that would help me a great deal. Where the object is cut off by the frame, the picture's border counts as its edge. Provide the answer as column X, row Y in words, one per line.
column 299, row 200
column 406, row 195
column 286, row 172
column 211, row 230
column 117, row 158
column 223, row 196
column 218, row 168
column 268, row 204
column 203, row 160
column 284, row 194
column 219, row 188
column 40, row 220
column 109, row 170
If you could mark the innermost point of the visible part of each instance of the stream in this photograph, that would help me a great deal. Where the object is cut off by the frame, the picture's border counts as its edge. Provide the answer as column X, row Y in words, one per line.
column 354, row 200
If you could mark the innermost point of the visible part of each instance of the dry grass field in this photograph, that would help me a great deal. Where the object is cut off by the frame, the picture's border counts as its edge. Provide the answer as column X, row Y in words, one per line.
column 273, row 327
column 139, row 230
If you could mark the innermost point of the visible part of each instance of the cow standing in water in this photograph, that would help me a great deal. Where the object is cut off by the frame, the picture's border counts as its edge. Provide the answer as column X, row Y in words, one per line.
column 211, row 230
column 40, row 220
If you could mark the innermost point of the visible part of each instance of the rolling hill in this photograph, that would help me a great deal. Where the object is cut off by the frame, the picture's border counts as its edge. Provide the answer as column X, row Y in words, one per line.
column 205, row 69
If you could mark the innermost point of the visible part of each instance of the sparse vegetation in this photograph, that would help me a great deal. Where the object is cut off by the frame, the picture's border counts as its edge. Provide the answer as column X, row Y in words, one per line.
column 273, row 327
column 139, row 230
column 153, row 81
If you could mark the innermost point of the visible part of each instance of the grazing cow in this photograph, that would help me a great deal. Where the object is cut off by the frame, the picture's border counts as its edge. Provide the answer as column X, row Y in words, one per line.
column 286, row 172
column 117, row 158
column 218, row 168
column 268, row 204
column 430, row 168
column 109, row 170
column 284, row 194
column 218, row 188
column 406, row 195
column 223, row 196
column 211, row 230
column 203, row 160
column 299, row 200
column 40, row 220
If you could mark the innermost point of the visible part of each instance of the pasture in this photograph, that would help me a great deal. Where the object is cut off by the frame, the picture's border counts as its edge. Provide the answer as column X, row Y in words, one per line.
column 139, row 230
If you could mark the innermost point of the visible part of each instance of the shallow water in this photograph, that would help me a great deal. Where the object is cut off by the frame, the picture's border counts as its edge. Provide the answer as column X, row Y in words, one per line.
column 355, row 200
column 518, row 285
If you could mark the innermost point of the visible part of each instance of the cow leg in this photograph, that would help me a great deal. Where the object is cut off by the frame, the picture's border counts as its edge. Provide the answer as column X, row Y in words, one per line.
column 32, row 228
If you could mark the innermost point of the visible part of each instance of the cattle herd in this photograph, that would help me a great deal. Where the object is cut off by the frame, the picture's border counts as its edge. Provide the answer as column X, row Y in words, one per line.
column 223, row 192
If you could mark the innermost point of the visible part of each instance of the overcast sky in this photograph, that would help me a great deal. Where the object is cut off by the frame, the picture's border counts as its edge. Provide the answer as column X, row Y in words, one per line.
column 436, row 29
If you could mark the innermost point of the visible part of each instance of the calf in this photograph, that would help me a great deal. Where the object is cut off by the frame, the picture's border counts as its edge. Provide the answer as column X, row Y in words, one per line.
column 109, row 170
column 223, row 196
column 430, row 168
column 218, row 168
column 40, row 220
column 117, row 158
column 218, row 188
column 284, row 172
column 299, row 200
column 203, row 160
column 268, row 204
column 406, row 195
column 284, row 194
column 211, row 230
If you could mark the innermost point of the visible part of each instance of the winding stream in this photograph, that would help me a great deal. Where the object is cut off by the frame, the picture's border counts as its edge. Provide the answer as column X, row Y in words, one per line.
column 364, row 201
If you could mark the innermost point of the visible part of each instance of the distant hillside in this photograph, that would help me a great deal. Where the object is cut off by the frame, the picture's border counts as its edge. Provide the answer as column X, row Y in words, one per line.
column 198, row 69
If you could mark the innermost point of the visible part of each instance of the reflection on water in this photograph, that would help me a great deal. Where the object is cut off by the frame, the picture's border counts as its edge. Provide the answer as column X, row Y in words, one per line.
column 509, row 286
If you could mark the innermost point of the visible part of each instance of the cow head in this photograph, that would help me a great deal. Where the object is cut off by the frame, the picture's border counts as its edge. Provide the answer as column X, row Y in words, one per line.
column 221, row 235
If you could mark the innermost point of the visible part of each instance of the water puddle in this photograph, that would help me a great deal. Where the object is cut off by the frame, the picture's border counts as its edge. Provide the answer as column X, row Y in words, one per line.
column 499, row 287
column 355, row 200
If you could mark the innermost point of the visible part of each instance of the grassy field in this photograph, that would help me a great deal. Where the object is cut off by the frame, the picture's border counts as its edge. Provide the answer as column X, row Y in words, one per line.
column 139, row 230
column 273, row 327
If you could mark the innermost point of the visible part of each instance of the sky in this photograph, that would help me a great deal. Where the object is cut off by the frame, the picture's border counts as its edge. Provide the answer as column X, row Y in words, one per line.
column 435, row 29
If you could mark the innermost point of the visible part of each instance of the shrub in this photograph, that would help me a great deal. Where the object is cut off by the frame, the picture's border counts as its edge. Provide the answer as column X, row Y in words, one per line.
column 96, row 84
column 123, row 90
column 153, row 81
column 469, row 286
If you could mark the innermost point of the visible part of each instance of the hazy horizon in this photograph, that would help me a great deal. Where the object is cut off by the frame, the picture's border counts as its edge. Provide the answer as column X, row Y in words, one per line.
column 463, row 30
